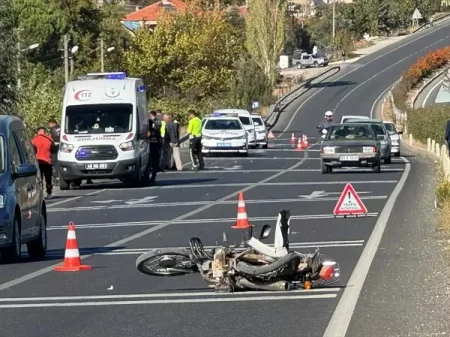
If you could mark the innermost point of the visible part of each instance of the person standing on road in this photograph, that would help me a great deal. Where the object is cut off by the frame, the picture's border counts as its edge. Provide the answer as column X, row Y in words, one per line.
column 155, row 145
column 55, row 131
column 165, row 146
column 173, row 130
column 194, row 131
column 45, row 147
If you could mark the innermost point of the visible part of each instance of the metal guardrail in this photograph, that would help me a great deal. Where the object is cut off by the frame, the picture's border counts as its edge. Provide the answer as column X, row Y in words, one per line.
column 287, row 99
column 425, row 25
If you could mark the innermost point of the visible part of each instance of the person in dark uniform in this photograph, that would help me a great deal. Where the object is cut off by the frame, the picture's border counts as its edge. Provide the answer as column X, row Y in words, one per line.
column 155, row 145
column 55, row 133
column 194, row 131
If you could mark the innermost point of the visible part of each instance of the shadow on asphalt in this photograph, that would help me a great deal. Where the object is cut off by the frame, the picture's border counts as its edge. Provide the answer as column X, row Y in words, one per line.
column 331, row 84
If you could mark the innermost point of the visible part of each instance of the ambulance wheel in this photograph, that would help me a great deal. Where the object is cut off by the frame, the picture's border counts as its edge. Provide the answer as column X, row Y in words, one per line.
column 64, row 185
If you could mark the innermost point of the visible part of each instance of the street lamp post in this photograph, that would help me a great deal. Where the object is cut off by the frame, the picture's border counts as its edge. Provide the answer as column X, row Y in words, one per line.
column 102, row 55
column 19, row 50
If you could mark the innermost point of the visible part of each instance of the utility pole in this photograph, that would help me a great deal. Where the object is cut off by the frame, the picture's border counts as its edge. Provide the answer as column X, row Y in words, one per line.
column 66, row 58
column 102, row 56
column 72, row 67
column 334, row 21
column 19, row 81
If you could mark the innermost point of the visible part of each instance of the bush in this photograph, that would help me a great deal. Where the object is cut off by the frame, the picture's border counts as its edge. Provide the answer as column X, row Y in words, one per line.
column 428, row 122
column 443, row 193
column 424, row 67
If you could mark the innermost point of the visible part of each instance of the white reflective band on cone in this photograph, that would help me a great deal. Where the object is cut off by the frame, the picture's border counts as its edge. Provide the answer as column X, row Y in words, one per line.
column 71, row 253
column 242, row 216
column 71, row 235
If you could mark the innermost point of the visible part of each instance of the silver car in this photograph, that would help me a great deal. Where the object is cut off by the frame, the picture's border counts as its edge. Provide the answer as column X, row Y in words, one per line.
column 381, row 131
column 395, row 138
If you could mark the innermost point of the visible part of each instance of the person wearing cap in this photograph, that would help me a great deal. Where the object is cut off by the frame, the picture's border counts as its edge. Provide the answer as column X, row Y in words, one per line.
column 194, row 131
column 45, row 147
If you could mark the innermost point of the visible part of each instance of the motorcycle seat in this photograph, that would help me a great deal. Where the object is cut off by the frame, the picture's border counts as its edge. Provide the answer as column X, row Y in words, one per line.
column 264, row 249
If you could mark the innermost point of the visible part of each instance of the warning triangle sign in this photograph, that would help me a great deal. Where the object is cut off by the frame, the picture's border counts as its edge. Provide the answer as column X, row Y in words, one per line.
column 349, row 203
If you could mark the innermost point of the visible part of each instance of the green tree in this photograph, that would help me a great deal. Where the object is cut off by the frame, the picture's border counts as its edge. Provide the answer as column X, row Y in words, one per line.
column 40, row 101
column 190, row 57
column 8, row 59
column 266, row 34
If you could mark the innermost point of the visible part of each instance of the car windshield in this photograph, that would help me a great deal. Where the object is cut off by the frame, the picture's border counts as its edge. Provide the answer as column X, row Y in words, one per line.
column 257, row 121
column 351, row 132
column 223, row 124
column 245, row 120
column 2, row 154
column 99, row 118
column 376, row 127
column 390, row 128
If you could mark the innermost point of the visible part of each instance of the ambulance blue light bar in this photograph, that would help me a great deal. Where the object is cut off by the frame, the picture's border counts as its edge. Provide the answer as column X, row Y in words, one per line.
column 109, row 76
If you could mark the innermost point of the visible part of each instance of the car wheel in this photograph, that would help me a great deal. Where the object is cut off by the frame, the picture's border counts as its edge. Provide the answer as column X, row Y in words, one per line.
column 316, row 64
column 376, row 168
column 388, row 160
column 64, row 185
column 264, row 146
column 326, row 169
column 397, row 154
column 76, row 183
column 13, row 253
column 37, row 249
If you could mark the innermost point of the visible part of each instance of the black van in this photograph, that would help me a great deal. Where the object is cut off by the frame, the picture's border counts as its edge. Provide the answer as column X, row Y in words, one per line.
column 23, row 213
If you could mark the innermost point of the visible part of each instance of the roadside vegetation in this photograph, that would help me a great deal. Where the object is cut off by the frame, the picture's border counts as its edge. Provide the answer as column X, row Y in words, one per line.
column 207, row 56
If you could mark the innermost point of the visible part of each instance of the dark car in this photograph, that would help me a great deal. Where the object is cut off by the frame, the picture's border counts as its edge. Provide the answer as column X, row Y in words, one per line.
column 22, row 205
column 350, row 145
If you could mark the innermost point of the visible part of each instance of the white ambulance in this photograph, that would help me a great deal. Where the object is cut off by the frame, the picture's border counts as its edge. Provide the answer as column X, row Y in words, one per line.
column 103, row 130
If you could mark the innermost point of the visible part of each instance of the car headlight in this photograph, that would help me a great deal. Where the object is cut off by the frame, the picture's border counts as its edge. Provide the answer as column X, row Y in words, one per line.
column 369, row 149
column 127, row 146
column 395, row 143
column 2, row 201
column 66, row 148
column 329, row 150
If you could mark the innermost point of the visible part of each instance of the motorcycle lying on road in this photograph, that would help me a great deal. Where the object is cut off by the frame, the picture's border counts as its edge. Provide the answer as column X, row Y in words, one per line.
column 256, row 265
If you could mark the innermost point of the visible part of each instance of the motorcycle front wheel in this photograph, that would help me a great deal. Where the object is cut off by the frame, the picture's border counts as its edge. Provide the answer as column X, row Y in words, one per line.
column 166, row 263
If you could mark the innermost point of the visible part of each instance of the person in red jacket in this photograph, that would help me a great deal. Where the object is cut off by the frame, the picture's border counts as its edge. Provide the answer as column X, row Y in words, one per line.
column 45, row 147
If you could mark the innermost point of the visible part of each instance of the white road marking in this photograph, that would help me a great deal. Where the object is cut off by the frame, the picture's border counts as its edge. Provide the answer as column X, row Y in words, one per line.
column 133, row 237
column 296, row 183
column 140, row 201
column 138, row 251
column 161, row 295
column 429, row 93
column 174, row 301
column 194, row 221
column 199, row 203
column 74, row 198
column 340, row 321
column 385, row 168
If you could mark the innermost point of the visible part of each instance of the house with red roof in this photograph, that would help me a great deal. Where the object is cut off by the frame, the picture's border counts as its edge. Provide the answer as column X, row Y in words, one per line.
column 149, row 16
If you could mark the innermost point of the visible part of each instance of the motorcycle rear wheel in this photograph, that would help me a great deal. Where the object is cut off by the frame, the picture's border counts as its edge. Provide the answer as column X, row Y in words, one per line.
column 150, row 263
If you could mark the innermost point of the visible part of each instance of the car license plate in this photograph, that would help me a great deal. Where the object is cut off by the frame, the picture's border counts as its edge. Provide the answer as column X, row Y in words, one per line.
column 349, row 158
column 224, row 144
column 96, row 166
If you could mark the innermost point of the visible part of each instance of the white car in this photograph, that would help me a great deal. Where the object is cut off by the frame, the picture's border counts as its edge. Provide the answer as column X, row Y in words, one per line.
column 261, row 131
column 344, row 119
column 395, row 137
column 224, row 134
column 246, row 119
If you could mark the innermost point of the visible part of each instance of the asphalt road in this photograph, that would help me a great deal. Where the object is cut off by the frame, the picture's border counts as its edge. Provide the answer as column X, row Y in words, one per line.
column 115, row 224
column 433, row 94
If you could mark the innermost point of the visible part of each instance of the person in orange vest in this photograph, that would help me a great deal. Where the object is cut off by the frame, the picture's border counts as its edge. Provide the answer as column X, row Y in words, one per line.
column 45, row 147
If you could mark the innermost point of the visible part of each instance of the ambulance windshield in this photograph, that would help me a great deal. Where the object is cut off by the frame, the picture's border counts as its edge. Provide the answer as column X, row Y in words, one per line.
column 99, row 118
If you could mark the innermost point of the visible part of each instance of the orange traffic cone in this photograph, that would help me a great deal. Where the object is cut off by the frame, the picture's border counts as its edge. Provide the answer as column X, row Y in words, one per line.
column 72, row 261
column 299, row 145
column 242, row 220
column 305, row 141
column 292, row 139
